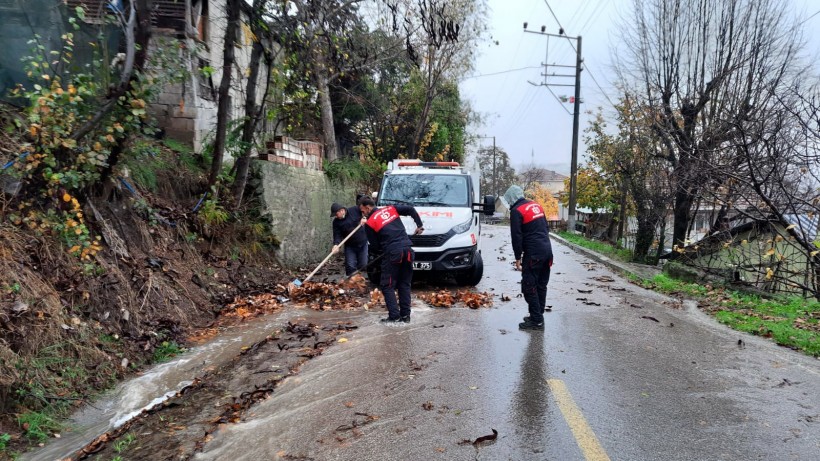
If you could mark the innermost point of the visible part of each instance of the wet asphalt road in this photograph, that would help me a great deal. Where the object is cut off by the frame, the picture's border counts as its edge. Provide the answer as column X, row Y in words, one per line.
column 602, row 382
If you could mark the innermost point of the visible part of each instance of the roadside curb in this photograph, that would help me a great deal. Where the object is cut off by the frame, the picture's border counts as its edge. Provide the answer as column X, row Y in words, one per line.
column 621, row 268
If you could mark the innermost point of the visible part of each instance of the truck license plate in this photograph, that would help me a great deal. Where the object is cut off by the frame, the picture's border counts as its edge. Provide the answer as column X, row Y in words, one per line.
column 423, row 266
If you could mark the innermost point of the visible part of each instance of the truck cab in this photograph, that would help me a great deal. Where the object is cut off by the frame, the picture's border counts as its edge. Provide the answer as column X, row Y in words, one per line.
column 446, row 197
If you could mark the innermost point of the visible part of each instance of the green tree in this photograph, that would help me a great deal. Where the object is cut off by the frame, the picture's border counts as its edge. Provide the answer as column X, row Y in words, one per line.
column 504, row 172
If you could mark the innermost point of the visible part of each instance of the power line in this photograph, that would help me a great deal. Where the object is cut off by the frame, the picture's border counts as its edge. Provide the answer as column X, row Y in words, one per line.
column 520, row 110
column 500, row 72
column 512, row 61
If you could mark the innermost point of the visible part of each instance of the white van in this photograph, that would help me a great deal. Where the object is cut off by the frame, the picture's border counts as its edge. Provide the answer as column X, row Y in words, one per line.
column 446, row 197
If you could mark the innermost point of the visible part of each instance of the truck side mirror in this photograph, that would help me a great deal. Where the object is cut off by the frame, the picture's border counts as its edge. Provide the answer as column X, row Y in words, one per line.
column 489, row 205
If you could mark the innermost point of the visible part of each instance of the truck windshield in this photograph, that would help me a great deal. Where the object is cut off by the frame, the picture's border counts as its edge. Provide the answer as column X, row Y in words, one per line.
column 425, row 190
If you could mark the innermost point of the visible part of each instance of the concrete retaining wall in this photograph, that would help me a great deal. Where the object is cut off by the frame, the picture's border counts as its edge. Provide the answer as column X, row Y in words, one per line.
column 298, row 200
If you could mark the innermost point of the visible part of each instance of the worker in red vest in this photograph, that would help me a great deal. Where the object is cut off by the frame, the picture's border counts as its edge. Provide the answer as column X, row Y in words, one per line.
column 386, row 235
column 533, row 254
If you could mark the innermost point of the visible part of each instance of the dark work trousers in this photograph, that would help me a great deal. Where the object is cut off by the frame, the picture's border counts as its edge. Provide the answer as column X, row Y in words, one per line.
column 355, row 258
column 535, row 274
column 397, row 274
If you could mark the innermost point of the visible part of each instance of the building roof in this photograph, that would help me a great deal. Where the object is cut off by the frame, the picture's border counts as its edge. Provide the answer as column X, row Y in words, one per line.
column 550, row 175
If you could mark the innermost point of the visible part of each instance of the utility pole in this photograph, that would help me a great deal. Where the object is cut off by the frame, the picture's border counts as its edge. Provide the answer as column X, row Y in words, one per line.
column 495, row 189
column 575, row 115
column 573, row 174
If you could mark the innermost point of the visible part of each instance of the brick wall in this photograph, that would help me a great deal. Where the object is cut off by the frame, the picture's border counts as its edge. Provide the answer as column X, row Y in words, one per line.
column 289, row 151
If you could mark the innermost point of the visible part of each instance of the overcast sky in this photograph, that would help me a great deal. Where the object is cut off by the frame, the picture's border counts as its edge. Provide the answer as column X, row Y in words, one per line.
column 527, row 121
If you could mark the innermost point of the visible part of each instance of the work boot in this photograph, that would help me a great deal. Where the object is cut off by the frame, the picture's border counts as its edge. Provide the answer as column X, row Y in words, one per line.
column 546, row 309
column 529, row 325
column 389, row 320
column 405, row 319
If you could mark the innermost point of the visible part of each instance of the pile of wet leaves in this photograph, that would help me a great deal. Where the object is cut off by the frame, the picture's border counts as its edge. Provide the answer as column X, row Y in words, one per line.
column 447, row 298
column 246, row 307
column 328, row 296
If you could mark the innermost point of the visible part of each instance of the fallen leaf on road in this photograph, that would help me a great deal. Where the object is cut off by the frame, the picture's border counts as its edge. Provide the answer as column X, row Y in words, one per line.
column 428, row 405
column 480, row 440
column 583, row 291
column 342, row 340
column 650, row 318
column 486, row 438
column 604, row 278
column 472, row 388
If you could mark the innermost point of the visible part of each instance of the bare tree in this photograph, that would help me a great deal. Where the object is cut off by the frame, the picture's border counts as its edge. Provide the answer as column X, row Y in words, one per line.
column 441, row 38
column 233, row 11
column 773, row 192
column 530, row 174
column 254, row 112
column 703, row 67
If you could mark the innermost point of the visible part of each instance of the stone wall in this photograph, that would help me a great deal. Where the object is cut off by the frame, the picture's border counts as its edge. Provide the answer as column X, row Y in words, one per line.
column 297, row 201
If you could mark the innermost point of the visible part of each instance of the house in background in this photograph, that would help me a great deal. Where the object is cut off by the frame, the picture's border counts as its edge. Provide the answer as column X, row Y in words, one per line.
column 553, row 181
column 192, row 31
column 761, row 254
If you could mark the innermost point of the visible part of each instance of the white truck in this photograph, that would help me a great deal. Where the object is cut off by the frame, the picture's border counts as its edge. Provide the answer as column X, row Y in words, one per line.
column 447, row 199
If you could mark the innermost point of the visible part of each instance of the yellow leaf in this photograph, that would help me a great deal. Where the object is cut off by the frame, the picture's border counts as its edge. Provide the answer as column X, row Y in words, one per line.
column 769, row 273
column 814, row 253
column 342, row 340
column 744, row 242
column 66, row 197
column 791, row 226
column 770, row 252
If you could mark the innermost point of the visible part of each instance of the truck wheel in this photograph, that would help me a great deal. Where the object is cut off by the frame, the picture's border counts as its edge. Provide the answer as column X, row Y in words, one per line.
column 472, row 275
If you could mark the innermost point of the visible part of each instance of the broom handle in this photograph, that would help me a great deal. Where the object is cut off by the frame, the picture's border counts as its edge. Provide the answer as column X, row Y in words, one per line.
column 331, row 253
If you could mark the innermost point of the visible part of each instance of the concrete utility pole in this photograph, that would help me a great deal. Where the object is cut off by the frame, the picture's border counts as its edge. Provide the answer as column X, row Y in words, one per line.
column 575, row 115
column 573, row 174
column 495, row 188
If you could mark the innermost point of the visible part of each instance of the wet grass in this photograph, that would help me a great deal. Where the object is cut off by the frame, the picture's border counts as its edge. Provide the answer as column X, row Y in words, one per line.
column 122, row 444
column 792, row 322
column 166, row 351
column 38, row 426
column 604, row 248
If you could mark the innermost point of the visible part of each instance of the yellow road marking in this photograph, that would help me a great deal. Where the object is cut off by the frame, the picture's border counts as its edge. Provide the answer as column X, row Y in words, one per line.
column 590, row 447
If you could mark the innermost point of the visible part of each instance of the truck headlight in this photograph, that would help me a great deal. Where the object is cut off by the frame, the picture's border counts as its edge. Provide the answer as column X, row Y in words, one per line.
column 463, row 227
